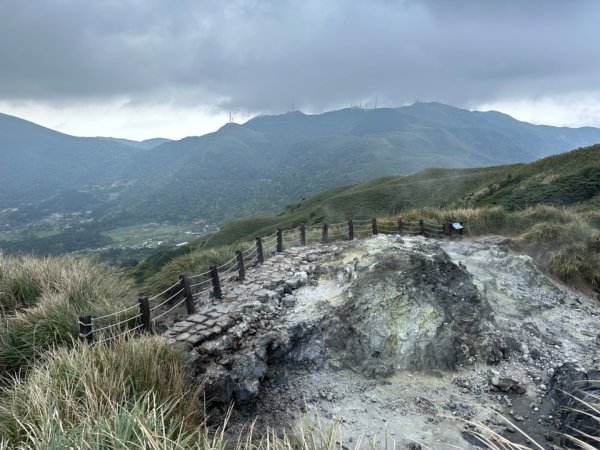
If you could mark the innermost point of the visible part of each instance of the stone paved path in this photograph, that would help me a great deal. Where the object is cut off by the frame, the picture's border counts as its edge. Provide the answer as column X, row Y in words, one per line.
column 249, row 304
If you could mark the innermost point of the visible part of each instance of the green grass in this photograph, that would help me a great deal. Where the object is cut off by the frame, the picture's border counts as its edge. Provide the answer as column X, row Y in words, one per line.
column 151, row 233
column 198, row 261
column 42, row 299
column 561, row 191
column 130, row 394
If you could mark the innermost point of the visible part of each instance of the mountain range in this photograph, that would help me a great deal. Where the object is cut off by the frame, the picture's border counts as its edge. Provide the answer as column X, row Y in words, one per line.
column 259, row 166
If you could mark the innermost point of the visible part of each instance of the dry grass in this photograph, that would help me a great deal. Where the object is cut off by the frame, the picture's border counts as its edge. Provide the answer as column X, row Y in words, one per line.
column 42, row 298
column 112, row 391
column 564, row 241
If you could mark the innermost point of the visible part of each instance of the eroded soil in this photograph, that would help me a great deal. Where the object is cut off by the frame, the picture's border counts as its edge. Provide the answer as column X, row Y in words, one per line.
column 403, row 340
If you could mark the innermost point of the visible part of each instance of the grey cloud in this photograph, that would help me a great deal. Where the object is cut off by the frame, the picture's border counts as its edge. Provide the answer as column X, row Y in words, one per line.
column 252, row 55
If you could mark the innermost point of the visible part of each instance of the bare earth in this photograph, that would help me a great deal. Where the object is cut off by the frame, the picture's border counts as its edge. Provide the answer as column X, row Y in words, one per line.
column 403, row 340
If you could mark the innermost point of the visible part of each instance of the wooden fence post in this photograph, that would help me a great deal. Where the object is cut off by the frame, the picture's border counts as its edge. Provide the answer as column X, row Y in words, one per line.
column 240, row 263
column 421, row 228
column 350, row 229
column 259, row 250
column 374, row 225
column 302, row 235
column 214, row 276
column 145, row 313
column 187, row 293
column 400, row 225
column 279, row 240
column 450, row 229
column 325, row 235
column 86, row 330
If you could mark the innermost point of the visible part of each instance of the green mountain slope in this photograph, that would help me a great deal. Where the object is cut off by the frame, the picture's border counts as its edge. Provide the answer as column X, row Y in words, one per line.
column 551, row 206
column 272, row 160
column 98, row 184
column 38, row 162
column 146, row 144
column 569, row 179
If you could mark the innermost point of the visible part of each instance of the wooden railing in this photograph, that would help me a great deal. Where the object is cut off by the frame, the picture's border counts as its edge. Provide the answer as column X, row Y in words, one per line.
column 143, row 316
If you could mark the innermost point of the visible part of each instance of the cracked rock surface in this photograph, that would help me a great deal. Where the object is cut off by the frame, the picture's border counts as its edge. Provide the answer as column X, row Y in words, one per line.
column 394, row 336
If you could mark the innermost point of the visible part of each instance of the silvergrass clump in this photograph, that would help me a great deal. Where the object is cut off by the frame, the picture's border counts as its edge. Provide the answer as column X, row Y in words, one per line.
column 26, row 281
column 113, row 388
column 569, row 249
column 196, row 262
column 52, row 292
column 561, row 239
column 586, row 405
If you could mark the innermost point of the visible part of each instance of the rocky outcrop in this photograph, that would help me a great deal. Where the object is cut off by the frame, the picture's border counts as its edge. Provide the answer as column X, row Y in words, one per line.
column 408, row 309
column 575, row 394
column 395, row 334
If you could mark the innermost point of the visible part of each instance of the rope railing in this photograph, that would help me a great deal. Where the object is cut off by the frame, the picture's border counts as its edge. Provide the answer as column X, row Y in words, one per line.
column 249, row 250
column 168, row 311
column 251, row 256
column 234, row 268
column 270, row 249
column 198, row 295
column 227, row 264
column 202, row 291
column 229, row 268
column 116, row 324
column 154, row 308
column 200, row 283
column 203, row 274
column 117, row 336
column 154, row 297
column 117, row 313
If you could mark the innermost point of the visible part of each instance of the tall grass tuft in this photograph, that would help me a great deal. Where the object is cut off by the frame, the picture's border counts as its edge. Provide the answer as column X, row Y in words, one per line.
column 198, row 261
column 103, row 394
column 42, row 299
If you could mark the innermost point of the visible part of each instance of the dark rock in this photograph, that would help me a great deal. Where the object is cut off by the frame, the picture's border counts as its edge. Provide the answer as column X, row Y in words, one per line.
column 247, row 371
column 280, row 290
column 217, row 347
column 431, row 317
column 507, row 384
column 225, row 322
column 532, row 329
column 569, row 390
column 218, row 385
column 289, row 301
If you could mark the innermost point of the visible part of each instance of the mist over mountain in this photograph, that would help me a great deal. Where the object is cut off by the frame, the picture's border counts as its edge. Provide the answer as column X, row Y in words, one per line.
column 38, row 162
column 261, row 165
column 268, row 161
column 146, row 144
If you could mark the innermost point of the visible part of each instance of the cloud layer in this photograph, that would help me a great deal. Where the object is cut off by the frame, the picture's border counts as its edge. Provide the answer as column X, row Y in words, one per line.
column 250, row 56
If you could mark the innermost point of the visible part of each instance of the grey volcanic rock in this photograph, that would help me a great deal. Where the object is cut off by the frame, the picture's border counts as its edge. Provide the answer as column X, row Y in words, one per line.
column 507, row 384
column 404, row 335
column 218, row 385
column 248, row 371
column 409, row 310
column 572, row 392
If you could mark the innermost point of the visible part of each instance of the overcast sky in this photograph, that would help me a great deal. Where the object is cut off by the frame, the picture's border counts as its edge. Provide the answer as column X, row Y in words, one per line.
column 145, row 68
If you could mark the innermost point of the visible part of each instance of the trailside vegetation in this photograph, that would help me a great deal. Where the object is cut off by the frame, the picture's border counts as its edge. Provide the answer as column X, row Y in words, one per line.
column 549, row 208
